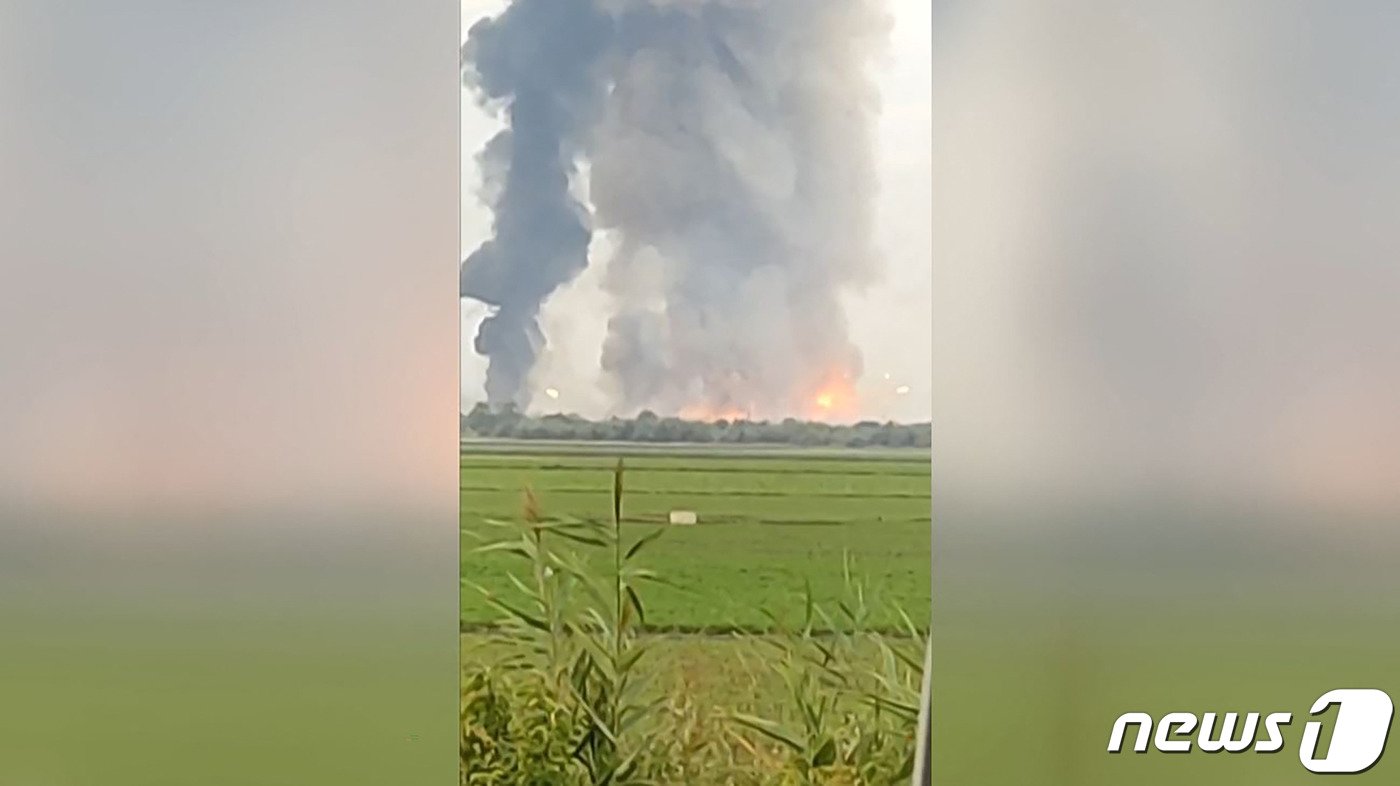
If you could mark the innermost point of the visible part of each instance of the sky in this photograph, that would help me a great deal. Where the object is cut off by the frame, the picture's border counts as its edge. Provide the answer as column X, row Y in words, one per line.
column 1166, row 249
column 889, row 321
column 199, row 201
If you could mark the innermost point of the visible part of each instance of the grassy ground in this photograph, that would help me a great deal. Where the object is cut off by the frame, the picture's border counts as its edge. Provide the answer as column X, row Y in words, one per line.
column 776, row 526
column 770, row 523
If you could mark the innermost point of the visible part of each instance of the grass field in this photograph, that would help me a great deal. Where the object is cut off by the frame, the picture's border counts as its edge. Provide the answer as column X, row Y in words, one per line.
column 779, row 528
column 771, row 523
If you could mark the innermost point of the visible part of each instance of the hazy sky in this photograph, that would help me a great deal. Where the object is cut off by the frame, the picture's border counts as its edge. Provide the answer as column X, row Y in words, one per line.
column 182, row 181
column 1166, row 246
column 889, row 322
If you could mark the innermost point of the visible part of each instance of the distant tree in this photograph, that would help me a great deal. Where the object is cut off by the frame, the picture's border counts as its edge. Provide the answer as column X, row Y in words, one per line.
column 507, row 422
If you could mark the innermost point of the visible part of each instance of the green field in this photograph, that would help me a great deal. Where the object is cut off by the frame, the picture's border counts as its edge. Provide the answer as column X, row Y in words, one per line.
column 847, row 530
column 772, row 522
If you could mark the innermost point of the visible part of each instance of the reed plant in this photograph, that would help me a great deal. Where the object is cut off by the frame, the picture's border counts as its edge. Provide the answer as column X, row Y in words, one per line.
column 567, row 689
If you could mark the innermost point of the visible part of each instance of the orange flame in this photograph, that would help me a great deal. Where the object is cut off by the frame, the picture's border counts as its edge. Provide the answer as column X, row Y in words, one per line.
column 835, row 400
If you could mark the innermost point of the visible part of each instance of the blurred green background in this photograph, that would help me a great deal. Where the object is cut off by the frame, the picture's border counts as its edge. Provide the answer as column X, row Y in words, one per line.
column 1045, row 631
column 246, row 660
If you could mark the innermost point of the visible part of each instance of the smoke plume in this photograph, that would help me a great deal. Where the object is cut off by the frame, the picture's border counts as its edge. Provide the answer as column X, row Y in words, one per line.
column 729, row 153
column 539, row 58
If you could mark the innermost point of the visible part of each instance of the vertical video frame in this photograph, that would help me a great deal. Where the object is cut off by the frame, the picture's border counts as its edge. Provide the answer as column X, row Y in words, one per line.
column 695, row 525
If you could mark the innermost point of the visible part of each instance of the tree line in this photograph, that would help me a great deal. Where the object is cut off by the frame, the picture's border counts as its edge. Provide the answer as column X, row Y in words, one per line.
column 508, row 423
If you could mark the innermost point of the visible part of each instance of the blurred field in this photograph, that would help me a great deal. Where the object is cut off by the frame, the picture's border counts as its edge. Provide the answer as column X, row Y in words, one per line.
column 771, row 521
column 1048, row 628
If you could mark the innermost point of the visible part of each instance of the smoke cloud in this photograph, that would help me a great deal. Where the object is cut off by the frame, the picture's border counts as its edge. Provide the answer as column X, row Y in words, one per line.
column 729, row 154
column 539, row 58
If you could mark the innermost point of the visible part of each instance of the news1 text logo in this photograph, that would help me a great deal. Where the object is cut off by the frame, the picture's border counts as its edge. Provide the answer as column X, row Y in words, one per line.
column 1358, row 737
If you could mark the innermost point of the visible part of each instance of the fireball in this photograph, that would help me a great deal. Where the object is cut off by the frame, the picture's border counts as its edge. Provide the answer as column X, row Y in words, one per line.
column 834, row 400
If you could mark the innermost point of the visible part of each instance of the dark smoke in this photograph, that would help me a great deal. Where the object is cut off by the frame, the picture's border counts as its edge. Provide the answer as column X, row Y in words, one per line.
column 730, row 157
column 539, row 59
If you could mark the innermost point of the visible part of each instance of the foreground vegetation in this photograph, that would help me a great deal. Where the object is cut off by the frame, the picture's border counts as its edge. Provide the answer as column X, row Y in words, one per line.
column 571, row 686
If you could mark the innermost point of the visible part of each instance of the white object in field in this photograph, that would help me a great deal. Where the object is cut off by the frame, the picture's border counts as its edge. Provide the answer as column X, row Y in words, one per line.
column 683, row 517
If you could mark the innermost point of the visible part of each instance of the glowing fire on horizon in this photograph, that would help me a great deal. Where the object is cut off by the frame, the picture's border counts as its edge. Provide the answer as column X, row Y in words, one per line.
column 835, row 400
